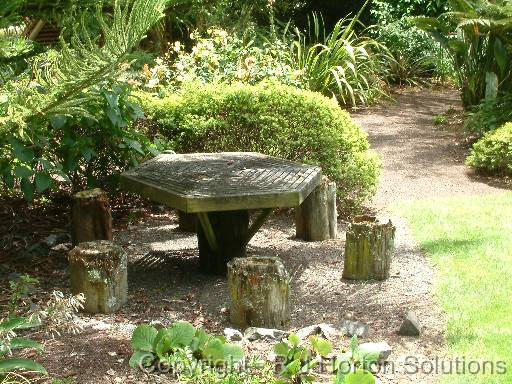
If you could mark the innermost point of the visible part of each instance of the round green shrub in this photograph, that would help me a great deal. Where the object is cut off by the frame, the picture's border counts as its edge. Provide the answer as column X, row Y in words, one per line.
column 493, row 152
column 273, row 119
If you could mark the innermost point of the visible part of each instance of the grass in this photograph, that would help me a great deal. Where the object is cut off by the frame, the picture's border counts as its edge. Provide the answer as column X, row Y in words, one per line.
column 470, row 241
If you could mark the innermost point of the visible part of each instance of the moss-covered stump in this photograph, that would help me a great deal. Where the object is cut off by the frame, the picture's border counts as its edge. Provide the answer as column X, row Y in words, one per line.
column 98, row 269
column 316, row 217
column 187, row 222
column 369, row 248
column 259, row 291
column 91, row 217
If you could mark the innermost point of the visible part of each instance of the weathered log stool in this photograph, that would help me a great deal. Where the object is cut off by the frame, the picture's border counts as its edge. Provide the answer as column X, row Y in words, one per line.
column 259, row 291
column 316, row 217
column 91, row 217
column 369, row 248
column 98, row 269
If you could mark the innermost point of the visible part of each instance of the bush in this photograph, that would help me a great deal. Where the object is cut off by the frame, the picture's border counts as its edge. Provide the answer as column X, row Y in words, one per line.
column 490, row 114
column 493, row 152
column 277, row 120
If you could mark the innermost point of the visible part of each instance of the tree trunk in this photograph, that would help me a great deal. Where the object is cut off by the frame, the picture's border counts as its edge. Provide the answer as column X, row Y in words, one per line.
column 91, row 217
column 368, row 249
column 316, row 217
column 231, row 229
column 98, row 269
column 187, row 222
column 259, row 291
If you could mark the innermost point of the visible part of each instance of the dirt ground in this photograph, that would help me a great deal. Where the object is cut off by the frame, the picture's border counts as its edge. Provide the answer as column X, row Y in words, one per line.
column 420, row 160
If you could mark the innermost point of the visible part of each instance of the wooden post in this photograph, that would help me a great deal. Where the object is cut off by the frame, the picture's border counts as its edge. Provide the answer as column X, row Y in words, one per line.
column 259, row 291
column 187, row 222
column 91, row 217
column 316, row 217
column 368, row 249
column 98, row 269
column 230, row 230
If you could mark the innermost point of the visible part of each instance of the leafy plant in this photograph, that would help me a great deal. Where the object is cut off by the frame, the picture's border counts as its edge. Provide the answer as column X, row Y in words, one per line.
column 353, row 367
column 180, row 346
column 490, row 114
column 20, row 288
column 64, row 84
column 273, row 119
column 440, row 119
column 477, row 34
column 298, row 360
column 340, row 62
column 493, row 152
column 10, row 342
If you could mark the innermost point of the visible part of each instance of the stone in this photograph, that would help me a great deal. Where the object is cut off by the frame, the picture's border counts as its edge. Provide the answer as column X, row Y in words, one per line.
column 327, row 331
column 357, row 328
column 382, row 348
column 233, row 334
column 253, row 334
column 63, row 247
column 410, row 326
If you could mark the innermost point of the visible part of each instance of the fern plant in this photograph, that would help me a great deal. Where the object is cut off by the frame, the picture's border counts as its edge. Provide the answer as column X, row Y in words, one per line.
column 66, row 83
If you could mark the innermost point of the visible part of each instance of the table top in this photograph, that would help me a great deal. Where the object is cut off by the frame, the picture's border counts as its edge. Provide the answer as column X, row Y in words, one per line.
column 228, row 181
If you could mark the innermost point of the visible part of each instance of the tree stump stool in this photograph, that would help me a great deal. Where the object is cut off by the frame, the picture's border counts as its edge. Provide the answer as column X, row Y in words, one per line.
column 369, row 248
column 187, row 222
column 259, row 291
column 316, row 217
column 98, row 269
column 91, row 217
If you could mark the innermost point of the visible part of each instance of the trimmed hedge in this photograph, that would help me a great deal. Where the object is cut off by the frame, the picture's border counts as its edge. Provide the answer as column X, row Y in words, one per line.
column 493, row 152
column 273, row 119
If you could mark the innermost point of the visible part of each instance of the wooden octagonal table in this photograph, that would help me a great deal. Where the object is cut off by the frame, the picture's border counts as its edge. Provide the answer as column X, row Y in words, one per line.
column 221, row 188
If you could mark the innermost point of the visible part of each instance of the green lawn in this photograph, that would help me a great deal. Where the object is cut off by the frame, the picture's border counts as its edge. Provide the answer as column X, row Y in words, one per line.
column 470, row 241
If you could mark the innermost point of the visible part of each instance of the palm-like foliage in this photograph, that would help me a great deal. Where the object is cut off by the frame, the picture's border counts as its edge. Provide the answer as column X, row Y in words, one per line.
column 478, row 34
column 63, row 80
column 341, row 62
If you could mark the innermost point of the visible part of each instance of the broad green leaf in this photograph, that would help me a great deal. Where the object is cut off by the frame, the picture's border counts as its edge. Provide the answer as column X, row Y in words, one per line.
column 294, row 367
column 491, row 85
column 281, row 349
column 162, row 344
column 143, row 338
column 43, row 182
column 141, row 358
column 293, row 339
column 214, row 351
column 7, row 365
column 21, row 152
column 27, row 189
column 23, row 172
column 501, row 55
column 200, row 340
column 360, row 377
column 22, row 342
column 9, row 325
column 322, row 346
column 181, row 334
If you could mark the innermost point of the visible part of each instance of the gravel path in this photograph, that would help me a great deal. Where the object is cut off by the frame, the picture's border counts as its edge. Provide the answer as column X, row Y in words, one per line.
column 420, row 160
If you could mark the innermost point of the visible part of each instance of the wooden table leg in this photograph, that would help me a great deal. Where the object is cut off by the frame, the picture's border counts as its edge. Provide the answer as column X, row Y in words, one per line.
column 222, row 236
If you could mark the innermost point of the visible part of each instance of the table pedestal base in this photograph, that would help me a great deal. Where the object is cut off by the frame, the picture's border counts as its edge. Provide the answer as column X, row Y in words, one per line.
column 222, row 236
